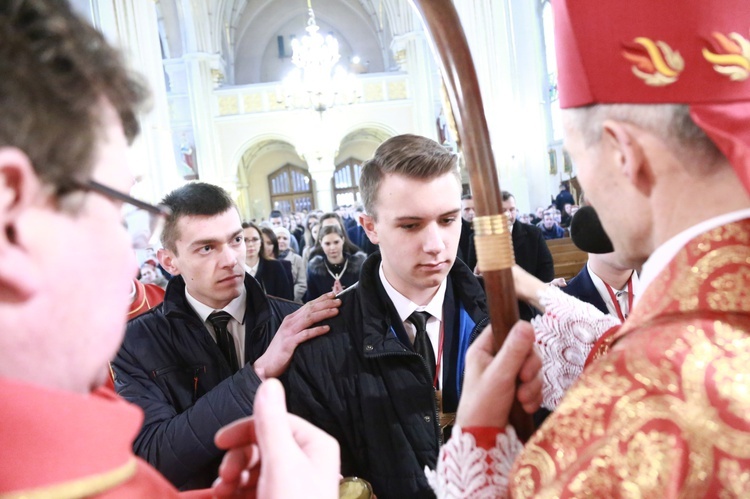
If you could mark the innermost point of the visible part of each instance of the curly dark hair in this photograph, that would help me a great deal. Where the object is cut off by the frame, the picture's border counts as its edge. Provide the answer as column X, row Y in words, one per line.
column 57, row 72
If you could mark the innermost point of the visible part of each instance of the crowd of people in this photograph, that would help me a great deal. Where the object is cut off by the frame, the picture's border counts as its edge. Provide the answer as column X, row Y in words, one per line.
column 224, row 389
column 287, row 256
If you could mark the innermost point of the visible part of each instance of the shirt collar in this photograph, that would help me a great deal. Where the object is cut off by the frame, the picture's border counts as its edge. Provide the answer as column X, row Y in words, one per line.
column 405, row 307
column 664, row 254
column 601, row 287
column 235, row 308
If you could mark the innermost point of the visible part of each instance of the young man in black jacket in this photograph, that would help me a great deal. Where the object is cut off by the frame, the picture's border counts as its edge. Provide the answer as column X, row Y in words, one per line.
column 383, row 378
column 194, row 363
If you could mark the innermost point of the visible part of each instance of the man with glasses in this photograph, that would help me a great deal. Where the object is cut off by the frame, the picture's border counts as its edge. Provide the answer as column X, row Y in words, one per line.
column 67, row 114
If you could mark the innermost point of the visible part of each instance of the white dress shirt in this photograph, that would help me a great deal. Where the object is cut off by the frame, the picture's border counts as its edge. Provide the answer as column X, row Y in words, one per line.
column 236, row 327
column 405, row 307
column 620, row 294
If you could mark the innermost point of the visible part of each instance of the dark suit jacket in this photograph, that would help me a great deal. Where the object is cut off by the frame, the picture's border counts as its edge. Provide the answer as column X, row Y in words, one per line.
column 466, row 251
column 358, row 237
column 582, row 287
column 273, row 279
column 532, row 255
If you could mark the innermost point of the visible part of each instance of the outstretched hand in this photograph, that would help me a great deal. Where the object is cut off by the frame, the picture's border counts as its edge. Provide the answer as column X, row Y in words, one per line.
column 492, row 380
column 295, row 329
column 276, row 454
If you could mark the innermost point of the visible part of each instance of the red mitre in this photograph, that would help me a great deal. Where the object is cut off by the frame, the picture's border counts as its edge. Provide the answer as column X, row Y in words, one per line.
column 693, row 52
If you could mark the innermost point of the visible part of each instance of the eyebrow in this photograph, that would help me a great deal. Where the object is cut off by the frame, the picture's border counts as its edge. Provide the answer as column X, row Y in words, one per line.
column 442, row 215
column 204, row 242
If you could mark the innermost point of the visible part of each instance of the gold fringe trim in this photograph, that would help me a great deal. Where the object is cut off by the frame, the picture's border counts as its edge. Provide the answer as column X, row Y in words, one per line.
column 83, row 487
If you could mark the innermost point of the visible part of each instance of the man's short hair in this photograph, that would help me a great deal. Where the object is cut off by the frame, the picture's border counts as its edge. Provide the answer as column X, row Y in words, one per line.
column 506, row 195
column 467, row 197
column 56, row 71
column 193, row 199
column 412, row 156
column 670, row 122
column 275, row 214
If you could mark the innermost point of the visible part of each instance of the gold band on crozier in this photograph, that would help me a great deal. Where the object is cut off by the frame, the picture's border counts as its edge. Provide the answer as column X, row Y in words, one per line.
column 493, row 242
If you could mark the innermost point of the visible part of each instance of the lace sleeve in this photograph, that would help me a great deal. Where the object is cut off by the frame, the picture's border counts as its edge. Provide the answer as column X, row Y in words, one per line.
column 565, row 334
column 467, row 469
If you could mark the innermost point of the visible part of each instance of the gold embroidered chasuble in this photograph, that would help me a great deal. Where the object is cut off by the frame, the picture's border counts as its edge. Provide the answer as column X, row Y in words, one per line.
column 664, row 411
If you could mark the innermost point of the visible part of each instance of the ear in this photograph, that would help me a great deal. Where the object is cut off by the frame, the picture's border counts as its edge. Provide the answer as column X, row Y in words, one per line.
column 623, row 142
column 19, row 189
column 168, row 261
column 368, row 223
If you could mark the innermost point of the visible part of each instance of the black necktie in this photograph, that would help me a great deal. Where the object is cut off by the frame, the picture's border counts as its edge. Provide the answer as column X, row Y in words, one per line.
column 422, row 344
column 224, row 340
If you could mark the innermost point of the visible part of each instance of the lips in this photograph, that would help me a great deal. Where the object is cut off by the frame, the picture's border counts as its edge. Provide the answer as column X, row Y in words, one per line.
column 231, row 279
column 434, row 266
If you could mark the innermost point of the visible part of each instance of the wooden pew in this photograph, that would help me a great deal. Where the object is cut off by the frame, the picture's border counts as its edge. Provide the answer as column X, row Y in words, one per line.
column 568, row 259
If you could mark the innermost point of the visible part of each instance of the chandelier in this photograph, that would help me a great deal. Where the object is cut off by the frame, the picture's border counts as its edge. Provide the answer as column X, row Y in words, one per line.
column 317, row 82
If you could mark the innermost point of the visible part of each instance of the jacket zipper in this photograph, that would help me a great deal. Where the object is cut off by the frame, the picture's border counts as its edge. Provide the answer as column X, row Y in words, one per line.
column 435, row 417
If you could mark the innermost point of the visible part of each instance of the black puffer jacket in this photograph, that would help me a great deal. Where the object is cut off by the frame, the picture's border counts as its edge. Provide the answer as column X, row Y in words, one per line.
column 363, row 383
column 171, row 367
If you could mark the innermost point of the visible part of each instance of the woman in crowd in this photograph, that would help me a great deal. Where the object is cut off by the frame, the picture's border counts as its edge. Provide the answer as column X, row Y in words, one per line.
column 310, row 220
column 298, row 270
column 271, row 251
column 314, row 229
column 334, row 219
column 269, row 273
column 337, row 268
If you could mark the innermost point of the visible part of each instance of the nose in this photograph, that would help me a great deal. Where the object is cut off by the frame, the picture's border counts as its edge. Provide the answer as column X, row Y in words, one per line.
column 432, row 242
column 228, row 257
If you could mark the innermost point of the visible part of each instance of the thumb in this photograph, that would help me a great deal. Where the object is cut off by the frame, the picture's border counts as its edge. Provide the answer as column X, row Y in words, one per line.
column 516, row 348
column 272, row 430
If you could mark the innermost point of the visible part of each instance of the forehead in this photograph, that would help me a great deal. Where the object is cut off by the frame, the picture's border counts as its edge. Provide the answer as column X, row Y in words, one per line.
column 250, row 231
column 397, row 195
column 219, row 227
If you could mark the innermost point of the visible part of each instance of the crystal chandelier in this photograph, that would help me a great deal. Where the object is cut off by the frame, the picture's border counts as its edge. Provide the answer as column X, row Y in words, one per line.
column 317, row 82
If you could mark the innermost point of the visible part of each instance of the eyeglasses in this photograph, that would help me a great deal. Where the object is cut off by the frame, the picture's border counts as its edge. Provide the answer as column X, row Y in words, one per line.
column 145, row 222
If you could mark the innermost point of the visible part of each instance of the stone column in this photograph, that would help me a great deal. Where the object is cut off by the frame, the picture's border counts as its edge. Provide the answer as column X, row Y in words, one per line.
column 413, row 55
column 200, row 58
column 133, row 25
column 506, row 44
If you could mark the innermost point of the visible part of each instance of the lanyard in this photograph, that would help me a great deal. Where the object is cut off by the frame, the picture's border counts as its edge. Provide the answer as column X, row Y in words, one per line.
column 439, row 357
column 616, row 302
column 336, row 277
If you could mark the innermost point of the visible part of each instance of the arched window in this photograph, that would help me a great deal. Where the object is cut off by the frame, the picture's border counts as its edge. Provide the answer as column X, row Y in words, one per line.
column 346, row 182
column 291, row 189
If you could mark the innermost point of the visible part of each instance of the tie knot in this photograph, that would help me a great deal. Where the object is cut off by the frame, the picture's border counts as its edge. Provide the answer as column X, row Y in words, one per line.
column 219, row 319
column 419, row 319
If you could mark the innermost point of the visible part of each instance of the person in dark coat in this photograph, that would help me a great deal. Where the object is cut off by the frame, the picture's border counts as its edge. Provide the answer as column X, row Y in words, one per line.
column 564, row 197
column 399, row 344
column 336, row 269
column 271, row 252
column 193, row 363
column 466, row 250
column 270, row 274
column 531, row 252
